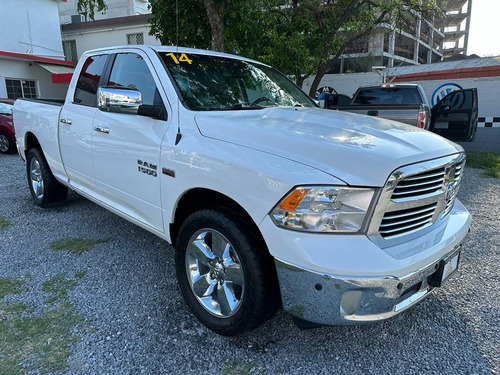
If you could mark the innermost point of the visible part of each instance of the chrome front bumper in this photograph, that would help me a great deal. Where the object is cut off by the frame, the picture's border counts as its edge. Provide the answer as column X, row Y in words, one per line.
column 340, row 300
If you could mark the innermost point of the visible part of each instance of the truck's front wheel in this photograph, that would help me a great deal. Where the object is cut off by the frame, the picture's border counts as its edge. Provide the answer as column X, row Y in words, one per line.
column 224, row 273
column 45, row 189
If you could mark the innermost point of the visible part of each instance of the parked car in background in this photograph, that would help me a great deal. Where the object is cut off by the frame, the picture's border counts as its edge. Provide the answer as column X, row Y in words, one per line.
column 7, row 135
column 454, row 117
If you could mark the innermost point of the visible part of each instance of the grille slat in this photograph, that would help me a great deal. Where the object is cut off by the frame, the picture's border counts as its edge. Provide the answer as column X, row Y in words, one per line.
column 404, row 221
column 415, row 186
column 401, row 215
column 404, row 230
column 427, row 175
column 413, row 192
column 434, row 181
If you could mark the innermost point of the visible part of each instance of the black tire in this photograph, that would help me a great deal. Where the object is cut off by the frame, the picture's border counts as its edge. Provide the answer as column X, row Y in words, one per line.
column 45, row 189
column 7, row 145
column 256, row 300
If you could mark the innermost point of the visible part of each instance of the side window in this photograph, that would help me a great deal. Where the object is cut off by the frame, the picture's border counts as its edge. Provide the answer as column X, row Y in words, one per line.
column 88, row 82
column 131, row 71
column 458, row 101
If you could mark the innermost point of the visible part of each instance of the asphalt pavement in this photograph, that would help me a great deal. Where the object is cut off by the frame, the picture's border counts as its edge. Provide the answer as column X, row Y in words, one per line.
column 137, row 323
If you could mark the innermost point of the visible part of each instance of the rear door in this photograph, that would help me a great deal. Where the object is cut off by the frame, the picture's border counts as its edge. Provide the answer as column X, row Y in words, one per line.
column 75, row 126
column 455, row 116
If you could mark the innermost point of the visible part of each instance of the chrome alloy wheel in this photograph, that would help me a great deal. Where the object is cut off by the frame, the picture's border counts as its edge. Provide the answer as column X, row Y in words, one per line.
column 215, row 273
column 36, row 178
column 4, row 143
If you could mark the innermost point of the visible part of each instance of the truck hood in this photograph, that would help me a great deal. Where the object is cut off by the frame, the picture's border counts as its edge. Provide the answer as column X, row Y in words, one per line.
column 360, row 150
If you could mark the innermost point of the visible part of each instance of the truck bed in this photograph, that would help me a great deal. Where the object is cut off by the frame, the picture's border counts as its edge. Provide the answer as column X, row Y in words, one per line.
column 41, row 117
column 405, row 113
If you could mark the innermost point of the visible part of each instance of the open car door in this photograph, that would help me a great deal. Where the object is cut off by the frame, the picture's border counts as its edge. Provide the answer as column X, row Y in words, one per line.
column 333, row 101
column 455, row 116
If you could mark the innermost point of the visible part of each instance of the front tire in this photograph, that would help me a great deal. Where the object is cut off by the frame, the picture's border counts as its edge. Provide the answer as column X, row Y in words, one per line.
column 45, row 189
column 225, row 273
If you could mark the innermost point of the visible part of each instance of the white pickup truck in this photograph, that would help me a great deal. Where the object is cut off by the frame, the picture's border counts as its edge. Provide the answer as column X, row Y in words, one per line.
column 269, row 200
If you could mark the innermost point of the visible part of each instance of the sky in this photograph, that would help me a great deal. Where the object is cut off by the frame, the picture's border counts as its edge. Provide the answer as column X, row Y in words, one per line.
column 483, row 37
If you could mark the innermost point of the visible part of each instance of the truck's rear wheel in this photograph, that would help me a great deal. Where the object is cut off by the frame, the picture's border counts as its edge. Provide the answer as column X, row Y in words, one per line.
column 224, row 273
column 45, row 189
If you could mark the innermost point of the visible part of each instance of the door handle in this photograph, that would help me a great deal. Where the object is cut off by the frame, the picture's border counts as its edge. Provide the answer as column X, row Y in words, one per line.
column 101, row 129
column 372, row 113
column 66, row 121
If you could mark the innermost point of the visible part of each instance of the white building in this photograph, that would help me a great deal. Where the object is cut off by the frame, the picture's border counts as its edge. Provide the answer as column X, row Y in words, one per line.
column 68, row 11
column 81, row 36
column 31, row 57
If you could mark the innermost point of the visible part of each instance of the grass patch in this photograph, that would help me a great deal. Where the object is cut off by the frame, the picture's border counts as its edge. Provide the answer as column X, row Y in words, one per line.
column 76, row 246
column 9, row 285
column 488, row 161
column 4, row 223
column 59, row 286
column 37, row 342
column 238, row 367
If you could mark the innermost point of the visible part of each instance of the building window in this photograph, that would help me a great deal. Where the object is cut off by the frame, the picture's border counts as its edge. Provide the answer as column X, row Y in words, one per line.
column 135, row 38
column 69, row 49
column 19, row 88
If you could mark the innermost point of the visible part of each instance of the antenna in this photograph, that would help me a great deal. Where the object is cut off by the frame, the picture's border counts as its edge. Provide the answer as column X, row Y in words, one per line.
column 179, row 135
column 177, row 24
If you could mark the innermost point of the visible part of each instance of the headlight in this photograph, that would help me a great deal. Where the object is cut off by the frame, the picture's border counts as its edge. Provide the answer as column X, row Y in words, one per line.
column 324, row 209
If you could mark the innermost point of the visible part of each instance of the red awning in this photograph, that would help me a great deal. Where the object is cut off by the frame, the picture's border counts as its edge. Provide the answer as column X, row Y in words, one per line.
column 60, row 73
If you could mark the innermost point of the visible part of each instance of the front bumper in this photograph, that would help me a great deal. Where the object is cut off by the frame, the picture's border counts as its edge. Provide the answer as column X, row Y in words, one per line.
column 353, row 281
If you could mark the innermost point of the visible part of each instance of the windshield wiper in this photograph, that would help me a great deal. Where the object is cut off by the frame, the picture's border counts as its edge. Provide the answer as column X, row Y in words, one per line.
column 238, row 107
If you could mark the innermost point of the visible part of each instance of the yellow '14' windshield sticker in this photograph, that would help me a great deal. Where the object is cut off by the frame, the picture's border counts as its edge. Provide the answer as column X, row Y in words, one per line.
column 181, row 58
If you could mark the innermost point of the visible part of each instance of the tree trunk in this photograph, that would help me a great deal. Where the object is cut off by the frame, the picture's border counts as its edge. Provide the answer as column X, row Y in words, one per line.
column 215, row 12
column 320, row 73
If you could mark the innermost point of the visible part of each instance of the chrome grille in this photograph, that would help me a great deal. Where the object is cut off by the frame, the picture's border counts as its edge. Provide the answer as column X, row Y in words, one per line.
column 405, row 221
column 416, row 197
column 456, row 179
column 419, row 185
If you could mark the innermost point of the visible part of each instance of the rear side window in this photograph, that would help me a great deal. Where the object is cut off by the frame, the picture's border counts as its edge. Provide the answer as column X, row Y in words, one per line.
column 388, row 95
column 88, row 82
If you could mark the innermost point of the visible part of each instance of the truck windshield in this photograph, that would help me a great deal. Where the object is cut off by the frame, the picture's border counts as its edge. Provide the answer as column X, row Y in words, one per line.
column 219, row 83
column 387, row 95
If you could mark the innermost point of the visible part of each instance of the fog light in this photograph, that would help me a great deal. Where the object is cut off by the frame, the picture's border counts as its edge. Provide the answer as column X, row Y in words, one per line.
column 350, row 302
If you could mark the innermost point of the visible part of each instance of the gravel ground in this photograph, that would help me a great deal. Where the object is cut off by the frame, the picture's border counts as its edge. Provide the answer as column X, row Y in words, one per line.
column 137, row 322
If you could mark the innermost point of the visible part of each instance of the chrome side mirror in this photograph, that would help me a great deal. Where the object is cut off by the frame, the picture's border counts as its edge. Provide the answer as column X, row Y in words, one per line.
column 119, row 100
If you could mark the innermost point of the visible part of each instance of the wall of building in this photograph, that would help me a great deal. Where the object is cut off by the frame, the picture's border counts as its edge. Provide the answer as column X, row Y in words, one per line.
column 111, row 36
column 116, row 8
column 25, row 70
column 30, row 26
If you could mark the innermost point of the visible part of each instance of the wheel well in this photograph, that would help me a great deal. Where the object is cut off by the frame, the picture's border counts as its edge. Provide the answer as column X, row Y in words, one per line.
column 198, row 199
column 31, row 142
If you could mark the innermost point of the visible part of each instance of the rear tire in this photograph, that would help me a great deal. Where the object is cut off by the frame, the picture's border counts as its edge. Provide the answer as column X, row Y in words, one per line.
column 225, row 273
column 7, row 145
column 45, row 189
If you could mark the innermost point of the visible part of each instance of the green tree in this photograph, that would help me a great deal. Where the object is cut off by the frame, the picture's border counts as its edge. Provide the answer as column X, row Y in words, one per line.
column 300, row 38
column 88, row 7
column 237, row 26
column 317, row 32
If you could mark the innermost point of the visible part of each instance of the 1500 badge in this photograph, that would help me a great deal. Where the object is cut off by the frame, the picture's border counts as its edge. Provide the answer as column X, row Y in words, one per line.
column 147, row 168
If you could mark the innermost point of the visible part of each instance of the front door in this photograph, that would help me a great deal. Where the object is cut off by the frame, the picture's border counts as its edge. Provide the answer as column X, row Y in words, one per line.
column 455, row 116
column 126, row 147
